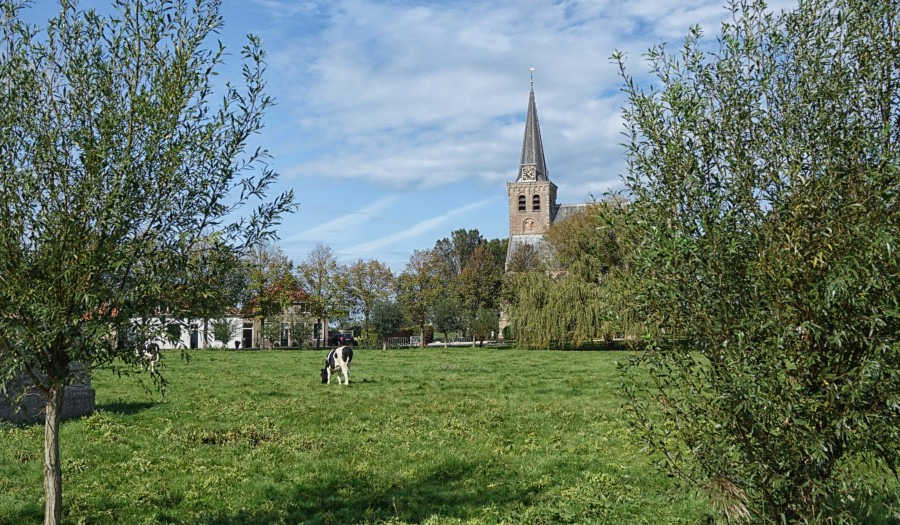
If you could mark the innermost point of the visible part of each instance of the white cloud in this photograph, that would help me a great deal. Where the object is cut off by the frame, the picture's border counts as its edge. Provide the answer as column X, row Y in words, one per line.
column 425, row 226
column 344, row 220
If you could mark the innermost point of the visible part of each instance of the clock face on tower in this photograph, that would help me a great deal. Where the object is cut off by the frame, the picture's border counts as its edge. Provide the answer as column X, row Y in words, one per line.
column 528, row 173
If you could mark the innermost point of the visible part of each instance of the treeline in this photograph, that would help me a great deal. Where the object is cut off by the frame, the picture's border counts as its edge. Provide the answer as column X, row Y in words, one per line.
column 453, row 287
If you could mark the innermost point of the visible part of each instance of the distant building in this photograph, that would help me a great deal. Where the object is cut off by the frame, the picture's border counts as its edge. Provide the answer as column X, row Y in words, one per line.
column 532, row 196
column 532, row 203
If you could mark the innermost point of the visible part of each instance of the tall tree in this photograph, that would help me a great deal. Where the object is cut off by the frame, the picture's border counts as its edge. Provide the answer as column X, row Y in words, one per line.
column 419, row 287
column 478, row 284
column 115, row 165
column 325, row 281
column 451, row 254
column 368, row 282
column 271, row 283
column 765, row 183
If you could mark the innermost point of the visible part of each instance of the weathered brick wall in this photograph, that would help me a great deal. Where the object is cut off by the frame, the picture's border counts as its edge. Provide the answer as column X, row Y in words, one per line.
column 529, row 221
column 79, row 399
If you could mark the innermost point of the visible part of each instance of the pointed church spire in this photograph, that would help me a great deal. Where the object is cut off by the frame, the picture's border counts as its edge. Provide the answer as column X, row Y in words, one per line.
column 532, row 165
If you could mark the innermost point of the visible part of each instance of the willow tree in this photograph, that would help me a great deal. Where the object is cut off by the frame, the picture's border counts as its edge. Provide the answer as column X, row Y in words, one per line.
column 117, row 171
column 764, row 176
column 574, row 296
column 547, row 311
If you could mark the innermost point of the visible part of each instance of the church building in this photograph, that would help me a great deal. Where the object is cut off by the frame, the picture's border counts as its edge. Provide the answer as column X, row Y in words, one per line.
column 532, row 196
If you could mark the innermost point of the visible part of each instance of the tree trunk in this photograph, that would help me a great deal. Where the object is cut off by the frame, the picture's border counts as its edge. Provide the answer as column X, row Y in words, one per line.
column 52, row 467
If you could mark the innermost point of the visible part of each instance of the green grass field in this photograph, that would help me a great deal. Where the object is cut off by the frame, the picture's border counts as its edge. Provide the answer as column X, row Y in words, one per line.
column 420, row 436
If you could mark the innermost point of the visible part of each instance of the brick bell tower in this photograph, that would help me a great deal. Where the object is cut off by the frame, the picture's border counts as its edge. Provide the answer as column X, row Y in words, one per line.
column 532, row 196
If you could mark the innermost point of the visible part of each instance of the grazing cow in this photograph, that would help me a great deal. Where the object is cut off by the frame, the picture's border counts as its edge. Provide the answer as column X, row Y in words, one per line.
column 149, row 356
column 338, row 359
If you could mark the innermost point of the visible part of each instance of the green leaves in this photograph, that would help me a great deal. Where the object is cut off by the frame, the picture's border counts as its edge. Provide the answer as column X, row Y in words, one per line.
column 764, row 183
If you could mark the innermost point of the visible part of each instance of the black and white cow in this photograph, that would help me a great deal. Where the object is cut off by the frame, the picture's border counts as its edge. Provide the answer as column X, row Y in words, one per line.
column 149, row 356
column 338, row 359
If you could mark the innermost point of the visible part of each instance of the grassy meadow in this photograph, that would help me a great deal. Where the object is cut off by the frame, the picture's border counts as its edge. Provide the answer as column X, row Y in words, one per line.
column 420, row 436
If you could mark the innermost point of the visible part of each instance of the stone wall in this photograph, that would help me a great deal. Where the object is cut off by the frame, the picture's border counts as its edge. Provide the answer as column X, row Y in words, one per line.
column 79, row 399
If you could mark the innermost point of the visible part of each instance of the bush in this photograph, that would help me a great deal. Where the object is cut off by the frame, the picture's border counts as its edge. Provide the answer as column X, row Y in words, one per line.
column 764, row 179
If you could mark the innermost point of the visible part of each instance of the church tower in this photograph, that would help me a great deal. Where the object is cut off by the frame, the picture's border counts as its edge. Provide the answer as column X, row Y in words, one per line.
column 532, row 196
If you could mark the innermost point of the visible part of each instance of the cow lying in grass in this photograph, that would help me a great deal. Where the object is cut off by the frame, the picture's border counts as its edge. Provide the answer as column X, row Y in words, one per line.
column 338, row 359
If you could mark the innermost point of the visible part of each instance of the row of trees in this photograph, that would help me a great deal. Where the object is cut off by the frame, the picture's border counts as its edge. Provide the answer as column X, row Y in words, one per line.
column 454, row 287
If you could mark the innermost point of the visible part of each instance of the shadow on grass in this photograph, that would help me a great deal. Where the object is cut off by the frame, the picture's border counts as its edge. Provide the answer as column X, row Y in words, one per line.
column 443, row 493
column 126, row 408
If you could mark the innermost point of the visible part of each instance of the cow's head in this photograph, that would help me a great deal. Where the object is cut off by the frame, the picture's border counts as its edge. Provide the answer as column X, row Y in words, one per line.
column 324, row 375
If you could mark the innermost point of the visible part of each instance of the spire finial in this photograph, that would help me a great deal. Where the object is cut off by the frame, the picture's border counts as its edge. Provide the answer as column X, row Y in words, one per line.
column 532, row 76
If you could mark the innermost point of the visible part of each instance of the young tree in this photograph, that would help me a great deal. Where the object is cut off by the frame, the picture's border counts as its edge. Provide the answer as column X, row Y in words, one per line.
column 387, row 318
column 368, row 281
column 484, row 325
column 299, row 331
column 764, row 178
column 270, row 331
column 115, row 165
column 448, row 316
column 325, row 281
column 418, row 288
column 225, row 330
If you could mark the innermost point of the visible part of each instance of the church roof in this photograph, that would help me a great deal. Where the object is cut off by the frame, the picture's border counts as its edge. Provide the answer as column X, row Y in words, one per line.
column 533, row 243
column 532, row 148
column 564, row 211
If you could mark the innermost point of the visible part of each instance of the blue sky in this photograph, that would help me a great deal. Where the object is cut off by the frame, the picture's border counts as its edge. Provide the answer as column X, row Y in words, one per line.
column 400, row 121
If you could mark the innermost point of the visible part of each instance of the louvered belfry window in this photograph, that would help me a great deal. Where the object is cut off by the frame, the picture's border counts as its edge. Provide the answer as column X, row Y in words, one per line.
column 536, row 203
column 521, row 203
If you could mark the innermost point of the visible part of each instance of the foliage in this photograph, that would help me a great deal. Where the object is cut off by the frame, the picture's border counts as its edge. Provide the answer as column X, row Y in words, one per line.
column 765, row 185
column 478, row 285
column 581, row 300
column 526, row 258
column 586, row 246
column 485, row 324
column 419, row 287
column 555, row 311
column 387, row 318
column 368, row 281
column 447, row 316
column 272, row 286
column 122, row 182
column 451, row 254
column 325, row 281
column 270, row 330
column 299, row 333
column 226, row 329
